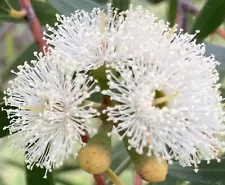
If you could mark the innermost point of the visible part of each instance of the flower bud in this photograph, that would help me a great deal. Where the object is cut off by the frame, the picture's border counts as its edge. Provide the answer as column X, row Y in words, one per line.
column 150, row 168
column 94, row 158
column 153, row 170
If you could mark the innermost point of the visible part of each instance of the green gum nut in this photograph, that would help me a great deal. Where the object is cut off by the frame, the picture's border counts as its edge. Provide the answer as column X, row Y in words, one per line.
column 95, row 158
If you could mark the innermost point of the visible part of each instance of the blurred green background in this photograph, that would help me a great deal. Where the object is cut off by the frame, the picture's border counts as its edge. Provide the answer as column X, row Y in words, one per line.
column 17, row 45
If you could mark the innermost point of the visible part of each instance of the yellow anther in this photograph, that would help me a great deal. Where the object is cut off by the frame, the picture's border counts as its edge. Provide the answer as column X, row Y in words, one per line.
column 173, row 29
column 102, row 26
column 17, row 14
column 35, row 109
column 165, row 98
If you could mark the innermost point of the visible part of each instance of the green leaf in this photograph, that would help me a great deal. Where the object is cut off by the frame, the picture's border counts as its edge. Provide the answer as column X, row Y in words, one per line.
column 101, row 1
column 25, row 55
column 14, row 163
column 120, row 160
column 67, row 167
column 172, row 11
column 43, row 10
column 5, row 17
column 207, row 174
column 209, row 18
column 64, row 182
column 194, row 183
column 67, row 7
column 218, row 52
column 35, row 177
column 2, row 181
column 155, row 1
column 169, row 181
column 122, row 5
column 119, row 155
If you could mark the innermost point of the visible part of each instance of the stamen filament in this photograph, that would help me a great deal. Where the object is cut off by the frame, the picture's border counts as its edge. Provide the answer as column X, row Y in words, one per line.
column 102, row 26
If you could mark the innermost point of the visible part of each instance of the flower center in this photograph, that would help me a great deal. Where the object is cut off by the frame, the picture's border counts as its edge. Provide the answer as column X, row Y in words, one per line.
column 159, row 95
column 161, row 100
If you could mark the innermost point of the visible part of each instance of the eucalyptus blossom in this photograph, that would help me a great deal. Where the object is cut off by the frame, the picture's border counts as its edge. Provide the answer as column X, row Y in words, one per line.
column 169, row 106
column 48, row 111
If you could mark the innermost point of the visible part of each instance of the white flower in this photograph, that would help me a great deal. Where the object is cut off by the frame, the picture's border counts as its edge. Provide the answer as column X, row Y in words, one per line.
column 169, row 103
column 90, row 40
column 48, row 113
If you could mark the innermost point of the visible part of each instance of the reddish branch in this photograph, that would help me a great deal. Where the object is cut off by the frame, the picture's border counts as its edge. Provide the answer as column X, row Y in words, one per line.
column 188, row 7
column 85, row 138
column 99, row 179
column 137, row 180
column 33, row 23
column 183, row 7
column 181, row 19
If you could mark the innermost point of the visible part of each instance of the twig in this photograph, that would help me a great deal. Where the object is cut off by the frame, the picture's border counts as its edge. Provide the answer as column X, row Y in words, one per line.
column 33, row 24
column 137, row 180
column 99, row 179
column 181, row 19
column 85, row 138
column 188, row 7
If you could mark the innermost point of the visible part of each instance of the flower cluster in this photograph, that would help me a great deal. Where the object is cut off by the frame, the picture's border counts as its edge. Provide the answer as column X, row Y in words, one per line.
column 164, row 90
